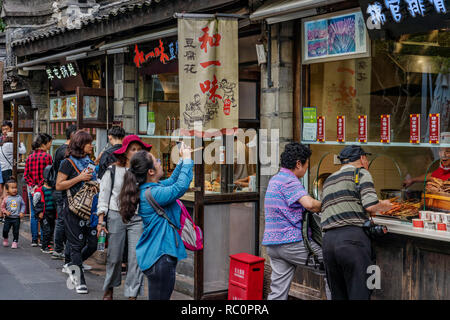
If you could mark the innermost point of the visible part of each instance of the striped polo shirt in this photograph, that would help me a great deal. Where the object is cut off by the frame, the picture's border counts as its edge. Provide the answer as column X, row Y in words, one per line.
column 283, row 212
column 342, row 205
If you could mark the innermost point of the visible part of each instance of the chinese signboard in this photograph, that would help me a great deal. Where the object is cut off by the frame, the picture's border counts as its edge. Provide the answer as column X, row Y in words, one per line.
column 392, row 18
column 340, row 129
column 385, row 128
column 208, row 73
column 414, row 128
column 435, row 127
column 61, row 72
column 321, row 129
column 334, row 37
column 64, row 108
column 164, row 52
column 362, row 129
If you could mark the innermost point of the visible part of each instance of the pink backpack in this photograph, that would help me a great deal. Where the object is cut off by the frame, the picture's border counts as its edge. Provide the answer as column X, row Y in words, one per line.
column 191, row 234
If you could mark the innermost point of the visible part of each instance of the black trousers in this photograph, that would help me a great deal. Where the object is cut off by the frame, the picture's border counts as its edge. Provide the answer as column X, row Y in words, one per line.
column 81, row 239
column 47, row 228
column 347, row 253
column 6, row 174
column 60, row 235
column 161, row 278
column 15, row 224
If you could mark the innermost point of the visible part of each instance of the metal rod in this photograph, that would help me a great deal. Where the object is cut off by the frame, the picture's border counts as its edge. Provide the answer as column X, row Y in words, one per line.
column 107, row 92
column 53, row 57
column 209, row 16
column 269, row 57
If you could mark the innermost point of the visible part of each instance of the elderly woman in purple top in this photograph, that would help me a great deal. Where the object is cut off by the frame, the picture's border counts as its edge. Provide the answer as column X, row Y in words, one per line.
column 285, row 201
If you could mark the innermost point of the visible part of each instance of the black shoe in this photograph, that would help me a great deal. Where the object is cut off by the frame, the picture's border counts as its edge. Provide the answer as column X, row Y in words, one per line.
column 34, row 243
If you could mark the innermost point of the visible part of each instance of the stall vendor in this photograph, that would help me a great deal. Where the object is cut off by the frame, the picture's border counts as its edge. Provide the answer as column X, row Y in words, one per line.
column 443, row 172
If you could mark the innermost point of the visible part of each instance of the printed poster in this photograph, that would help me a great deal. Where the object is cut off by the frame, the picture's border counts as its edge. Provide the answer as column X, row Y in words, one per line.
column 55, row 109
column 309, row 124
column 208, row 73
column 337, row 36
column 90, row 107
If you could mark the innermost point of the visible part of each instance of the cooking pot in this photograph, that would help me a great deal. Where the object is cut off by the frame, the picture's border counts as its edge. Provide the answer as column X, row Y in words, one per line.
column 391, row 193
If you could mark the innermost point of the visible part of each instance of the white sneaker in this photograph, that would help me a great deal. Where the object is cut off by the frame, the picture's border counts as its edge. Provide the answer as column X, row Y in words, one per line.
column 82, row 289
column 87, row 267
column 65, row 268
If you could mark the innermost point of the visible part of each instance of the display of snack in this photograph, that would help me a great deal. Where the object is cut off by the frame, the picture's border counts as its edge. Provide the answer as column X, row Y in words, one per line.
column 436, row 185
column 403, row 210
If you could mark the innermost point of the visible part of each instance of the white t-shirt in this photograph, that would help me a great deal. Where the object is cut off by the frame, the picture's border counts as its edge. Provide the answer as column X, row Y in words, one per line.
column 6, row 154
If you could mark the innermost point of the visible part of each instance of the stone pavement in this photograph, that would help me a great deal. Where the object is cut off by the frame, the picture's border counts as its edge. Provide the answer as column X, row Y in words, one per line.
column 28, row 274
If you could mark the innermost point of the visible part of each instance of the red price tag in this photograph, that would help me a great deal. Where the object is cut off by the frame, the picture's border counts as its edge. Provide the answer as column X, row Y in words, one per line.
column 362, row 129
column 321, row 129
column 414, row 128
column 385, row 128
column 435, row 127
column 340, row 129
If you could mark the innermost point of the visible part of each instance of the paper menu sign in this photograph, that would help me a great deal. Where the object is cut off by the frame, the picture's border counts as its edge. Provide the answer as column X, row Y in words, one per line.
column 362, row 129
column 340, row 129
column 321, row 129
column 309, row 123
column 435, row 127
column 414, row 128
column 385, row 128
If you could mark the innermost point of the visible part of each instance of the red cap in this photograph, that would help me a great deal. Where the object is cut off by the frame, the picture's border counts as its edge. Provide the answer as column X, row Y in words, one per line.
column 130, row 139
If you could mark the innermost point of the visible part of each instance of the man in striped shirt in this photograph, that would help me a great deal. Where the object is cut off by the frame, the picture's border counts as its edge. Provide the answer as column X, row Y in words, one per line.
column 347, row 250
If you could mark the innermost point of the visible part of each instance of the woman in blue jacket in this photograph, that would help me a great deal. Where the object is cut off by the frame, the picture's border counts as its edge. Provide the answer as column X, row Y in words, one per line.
column 160, row 246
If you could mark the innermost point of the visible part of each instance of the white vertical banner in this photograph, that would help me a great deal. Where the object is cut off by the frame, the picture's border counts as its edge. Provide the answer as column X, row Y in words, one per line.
column 208, row 73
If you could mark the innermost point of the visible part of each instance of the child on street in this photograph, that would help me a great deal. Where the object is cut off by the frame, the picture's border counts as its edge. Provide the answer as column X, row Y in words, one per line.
column 45, row 210
column 13, row 207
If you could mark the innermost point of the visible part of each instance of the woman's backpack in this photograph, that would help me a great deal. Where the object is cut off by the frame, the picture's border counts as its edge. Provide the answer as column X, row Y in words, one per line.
column 190, row 233
column 81, row 203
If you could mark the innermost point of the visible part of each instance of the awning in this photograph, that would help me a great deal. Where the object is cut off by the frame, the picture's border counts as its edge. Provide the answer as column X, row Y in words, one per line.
column 284, row 10
column 15, row 95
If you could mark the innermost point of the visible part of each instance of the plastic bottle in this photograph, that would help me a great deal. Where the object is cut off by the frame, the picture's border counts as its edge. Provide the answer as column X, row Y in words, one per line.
column 101, row 239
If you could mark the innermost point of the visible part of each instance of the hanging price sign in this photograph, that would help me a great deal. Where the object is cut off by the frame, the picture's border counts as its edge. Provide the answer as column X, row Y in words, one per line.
column 385, row 128
column 414, row 128
column 340, row 129
column 362, row 129
column 321, row 129
column 435, row 127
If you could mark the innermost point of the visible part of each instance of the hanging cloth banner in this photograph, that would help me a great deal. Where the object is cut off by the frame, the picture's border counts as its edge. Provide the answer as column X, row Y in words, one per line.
column 208, row 73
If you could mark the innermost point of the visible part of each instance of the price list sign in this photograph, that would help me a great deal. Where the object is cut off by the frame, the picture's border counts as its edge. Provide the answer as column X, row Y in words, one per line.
column 435, row 127
column 385, row 128
column 340, row 128
column 362, row 129
column 414, row 128
column 321, row 129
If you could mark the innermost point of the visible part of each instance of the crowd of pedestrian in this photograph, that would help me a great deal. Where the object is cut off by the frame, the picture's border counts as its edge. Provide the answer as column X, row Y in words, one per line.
column 72, row 199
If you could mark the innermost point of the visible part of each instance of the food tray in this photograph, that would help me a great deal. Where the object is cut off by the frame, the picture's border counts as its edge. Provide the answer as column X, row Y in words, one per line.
column 438, row 202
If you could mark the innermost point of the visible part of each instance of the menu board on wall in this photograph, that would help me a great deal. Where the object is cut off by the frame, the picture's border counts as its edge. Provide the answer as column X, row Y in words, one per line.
column 334, row 36
column 64, row 108
column 309, row 124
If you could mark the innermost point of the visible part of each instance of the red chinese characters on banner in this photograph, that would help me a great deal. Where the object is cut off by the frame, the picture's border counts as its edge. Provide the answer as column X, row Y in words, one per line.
column 362, row 129
column 385, row 128
column 414, row 128
column 211, row 88
column 340, row 129
column 321, row 129
column 206, row 39
column 435, row 127
column 158, row 52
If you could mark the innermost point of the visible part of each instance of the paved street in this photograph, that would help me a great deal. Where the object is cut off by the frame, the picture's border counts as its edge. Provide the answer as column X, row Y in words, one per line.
column 28, row 274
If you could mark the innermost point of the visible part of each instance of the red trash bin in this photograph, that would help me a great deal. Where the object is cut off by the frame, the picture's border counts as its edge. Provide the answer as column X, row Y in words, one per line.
column 246, row 277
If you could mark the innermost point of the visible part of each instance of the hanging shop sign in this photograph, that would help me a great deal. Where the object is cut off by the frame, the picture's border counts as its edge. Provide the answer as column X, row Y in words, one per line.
column 392, row 18
column 321, row 129
column 208, row 73
column 414, row 128
column 309, row 124
column 340, row 129
column 61, row 72
column 362, row 129
column 63, row 108
column 435, row 127
column 334, row 37
column 164, row 52
column 385, row 128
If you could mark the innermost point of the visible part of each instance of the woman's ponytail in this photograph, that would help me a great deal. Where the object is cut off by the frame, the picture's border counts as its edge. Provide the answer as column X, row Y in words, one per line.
column 136, row 176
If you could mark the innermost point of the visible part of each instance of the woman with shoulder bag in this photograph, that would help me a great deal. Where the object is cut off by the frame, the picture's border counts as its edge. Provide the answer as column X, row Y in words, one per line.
column 74, row 171
column 160, row 246
column 118, row 231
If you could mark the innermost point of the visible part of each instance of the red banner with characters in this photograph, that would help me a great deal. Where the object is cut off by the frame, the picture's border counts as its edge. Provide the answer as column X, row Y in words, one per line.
column 385, row 128
column 340, row 129
column 362, row 129
column 321, row 129
column 414, row 128
column 435, row 127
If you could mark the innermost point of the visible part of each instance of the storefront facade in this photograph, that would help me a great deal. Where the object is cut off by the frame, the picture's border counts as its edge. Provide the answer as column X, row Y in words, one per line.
column 382, row 88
